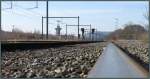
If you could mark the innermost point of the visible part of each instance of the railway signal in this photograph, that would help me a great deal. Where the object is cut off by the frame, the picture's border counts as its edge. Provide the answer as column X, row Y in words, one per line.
column 93, row 31
column 82, row 30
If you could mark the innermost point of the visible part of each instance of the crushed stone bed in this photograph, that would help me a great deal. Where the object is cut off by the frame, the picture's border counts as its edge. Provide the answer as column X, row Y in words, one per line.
column 136, row 48
column 72, row 61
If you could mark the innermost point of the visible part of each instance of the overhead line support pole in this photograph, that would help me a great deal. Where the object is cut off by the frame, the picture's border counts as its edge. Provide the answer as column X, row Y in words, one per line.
column 66, row 31
column 57, row 17
column 42, row 27
column 78, row 29
column 96, row 35
column 83, row 25
column 90, row 33
column 47, row 19
column 61, row 17
column 0, row 21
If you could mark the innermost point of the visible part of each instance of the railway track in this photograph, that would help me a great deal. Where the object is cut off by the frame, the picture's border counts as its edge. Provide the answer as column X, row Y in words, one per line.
column 114, row 63
column 22, row 45
column 136, row 58
column 69, row 61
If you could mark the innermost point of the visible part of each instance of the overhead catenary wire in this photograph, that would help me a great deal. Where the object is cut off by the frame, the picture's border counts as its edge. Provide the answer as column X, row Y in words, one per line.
column 29, row 11
column 20, row 14
column 25, row 10
column 12, row 10
column 36, row 6
column 10, row 7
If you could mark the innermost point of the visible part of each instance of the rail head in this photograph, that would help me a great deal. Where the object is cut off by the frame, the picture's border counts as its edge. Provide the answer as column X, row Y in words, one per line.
column 114, row 63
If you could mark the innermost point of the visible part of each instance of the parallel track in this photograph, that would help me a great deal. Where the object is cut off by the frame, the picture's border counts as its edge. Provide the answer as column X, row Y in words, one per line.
column 22, row 45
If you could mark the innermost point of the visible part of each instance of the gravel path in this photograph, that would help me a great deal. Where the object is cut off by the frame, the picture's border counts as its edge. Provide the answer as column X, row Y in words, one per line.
column 63, row 62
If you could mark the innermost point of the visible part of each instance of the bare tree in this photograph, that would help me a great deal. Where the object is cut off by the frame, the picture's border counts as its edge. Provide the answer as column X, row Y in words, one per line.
column 17, row 30
column 130, row 32
column 146, row 16
column 36, row 34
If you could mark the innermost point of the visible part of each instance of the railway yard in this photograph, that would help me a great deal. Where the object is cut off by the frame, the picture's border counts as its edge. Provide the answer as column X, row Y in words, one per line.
column 69, row 61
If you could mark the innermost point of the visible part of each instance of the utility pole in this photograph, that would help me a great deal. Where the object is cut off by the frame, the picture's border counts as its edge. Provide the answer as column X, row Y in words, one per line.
column 78, row 28
column 90, row 33
column 42, row 27
column 0, row 26
column 0, row 21
column 13, row 27
column 116, row 23
column 96, row 34
column 11, row 6
column 47, row 19
column 66, row 31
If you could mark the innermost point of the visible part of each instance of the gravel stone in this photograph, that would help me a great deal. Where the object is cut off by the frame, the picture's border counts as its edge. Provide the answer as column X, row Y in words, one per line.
column 70, row 61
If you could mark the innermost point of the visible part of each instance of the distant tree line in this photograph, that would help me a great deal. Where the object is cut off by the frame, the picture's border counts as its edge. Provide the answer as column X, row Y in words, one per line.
column 130, row 32
column 18, row 34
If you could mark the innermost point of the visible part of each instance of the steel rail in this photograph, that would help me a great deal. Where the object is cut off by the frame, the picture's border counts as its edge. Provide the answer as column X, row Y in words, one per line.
column 114, row 63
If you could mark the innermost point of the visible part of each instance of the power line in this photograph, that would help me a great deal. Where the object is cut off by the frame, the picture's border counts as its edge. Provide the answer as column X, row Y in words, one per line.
column 26, row 10
column 16, row 13
column 36, row 6
column 29, row 12
column 11, row 6
column 20, row 14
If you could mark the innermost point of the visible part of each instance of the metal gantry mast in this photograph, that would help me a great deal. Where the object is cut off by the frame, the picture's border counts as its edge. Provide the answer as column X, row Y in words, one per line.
column 47, row 19
column 58, row 17
column 42, row 27
column 79, row 28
